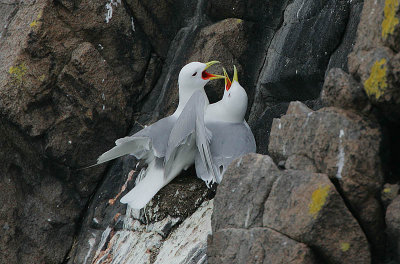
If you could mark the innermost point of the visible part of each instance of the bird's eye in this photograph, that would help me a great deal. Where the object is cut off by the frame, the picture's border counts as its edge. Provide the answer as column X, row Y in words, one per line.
column 229, row 94
column 194, row 74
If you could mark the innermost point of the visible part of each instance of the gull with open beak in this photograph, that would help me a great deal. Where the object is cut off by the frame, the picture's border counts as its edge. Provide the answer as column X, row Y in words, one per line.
column 150, row 143
column 231, row 135
column 213, row 135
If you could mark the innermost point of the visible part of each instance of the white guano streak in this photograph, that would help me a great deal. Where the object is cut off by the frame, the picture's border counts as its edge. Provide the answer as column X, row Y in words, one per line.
column 110, row 9
column 340, row 156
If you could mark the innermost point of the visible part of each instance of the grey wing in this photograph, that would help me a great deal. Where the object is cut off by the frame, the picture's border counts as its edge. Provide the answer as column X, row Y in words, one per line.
column 190, row 121
column 150, row 141
column 230, row 141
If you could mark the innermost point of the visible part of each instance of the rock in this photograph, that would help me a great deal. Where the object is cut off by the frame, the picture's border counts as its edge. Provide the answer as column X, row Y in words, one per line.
column 145, row 243
column 330, row 141
column 239, row 200
column 266, row 13
column 262, row 127
column 188, row 243
column 389, row 193
column 153, row 17
column 339, row 56
column 213, row 42
column 176, row 202
column 256, row 245
column 342, row 91
column 393, row 229
column 68, row 80
column 373, row 60
column 295, row 65
column 307, row 208
column 390, row 24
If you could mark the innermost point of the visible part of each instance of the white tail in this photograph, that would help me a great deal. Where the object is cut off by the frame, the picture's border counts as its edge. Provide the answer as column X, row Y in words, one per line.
column 145, row 190
column 133, row 146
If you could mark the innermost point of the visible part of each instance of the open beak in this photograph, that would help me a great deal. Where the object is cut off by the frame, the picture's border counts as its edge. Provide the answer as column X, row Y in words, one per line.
column 227, row 80
column 235, row 74
column 208, row 76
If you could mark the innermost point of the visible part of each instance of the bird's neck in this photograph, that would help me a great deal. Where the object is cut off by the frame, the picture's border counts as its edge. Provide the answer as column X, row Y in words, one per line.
column 222, row 111
column 184, row 96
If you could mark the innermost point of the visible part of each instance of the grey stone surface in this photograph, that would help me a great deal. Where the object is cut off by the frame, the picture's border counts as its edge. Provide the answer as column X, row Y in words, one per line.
column 256, row 245
column 331, row 140
column 241, row 195
column 307, row 208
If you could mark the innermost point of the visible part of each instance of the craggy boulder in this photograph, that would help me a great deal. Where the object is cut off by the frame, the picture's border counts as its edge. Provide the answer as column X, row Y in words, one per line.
column 393, row 228
column 240, row 197
column 342, row 91
column 333, row 141
column 374, row 60
column 307, row 208
column 256, row 245
column 238, row 235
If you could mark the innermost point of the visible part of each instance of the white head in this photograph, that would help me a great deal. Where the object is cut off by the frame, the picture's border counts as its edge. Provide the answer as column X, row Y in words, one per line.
column 194, row 75
column 234, row 99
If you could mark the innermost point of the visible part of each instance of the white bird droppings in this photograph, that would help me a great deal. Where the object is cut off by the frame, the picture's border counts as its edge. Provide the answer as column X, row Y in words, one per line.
column 280, row 125
column 133, row 24
column 239, row 162
column 91, row 244
column 109, row 7
column 340, row 156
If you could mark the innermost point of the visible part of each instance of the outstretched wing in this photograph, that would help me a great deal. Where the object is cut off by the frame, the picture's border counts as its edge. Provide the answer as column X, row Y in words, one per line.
column 189, row 126
column 151, row 140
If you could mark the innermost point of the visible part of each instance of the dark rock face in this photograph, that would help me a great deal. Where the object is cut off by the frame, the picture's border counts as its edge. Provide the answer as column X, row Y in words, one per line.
column 68, row 81
column 76, row 75
column 295, row 63
column 393, row 229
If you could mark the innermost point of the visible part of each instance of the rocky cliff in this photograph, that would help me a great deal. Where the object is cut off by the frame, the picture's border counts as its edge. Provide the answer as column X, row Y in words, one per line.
column 323, row 79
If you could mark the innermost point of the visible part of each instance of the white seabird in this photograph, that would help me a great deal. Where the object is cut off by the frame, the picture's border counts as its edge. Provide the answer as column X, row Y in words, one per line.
column 150, row 143
column 211, row 136
column 231, row 135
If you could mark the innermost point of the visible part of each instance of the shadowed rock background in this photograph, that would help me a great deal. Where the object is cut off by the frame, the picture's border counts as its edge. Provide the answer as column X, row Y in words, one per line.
column 323, row 80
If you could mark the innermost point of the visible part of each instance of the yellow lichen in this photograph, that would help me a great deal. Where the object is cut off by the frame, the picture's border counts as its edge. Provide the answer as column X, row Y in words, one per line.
column 387, row 190
column 390, row 20
column 318, row 199
column 18, row 72
column 42, row 77
column 239, row 21
column 344, row 246
column 33, row 24
column 376, row 84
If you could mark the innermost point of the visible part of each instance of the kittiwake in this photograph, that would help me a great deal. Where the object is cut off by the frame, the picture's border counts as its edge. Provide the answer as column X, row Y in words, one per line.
column 150, row 143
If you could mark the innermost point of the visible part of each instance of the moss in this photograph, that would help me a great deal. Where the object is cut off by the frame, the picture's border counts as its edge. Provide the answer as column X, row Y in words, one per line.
column 318, row 200
column 390, row 20
column 376, row 84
